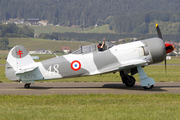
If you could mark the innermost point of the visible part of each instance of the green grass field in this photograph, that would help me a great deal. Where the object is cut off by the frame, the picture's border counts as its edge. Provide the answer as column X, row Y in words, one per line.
column 100, row 29
column 51, row 28
column 32, row 44
column 90, row 107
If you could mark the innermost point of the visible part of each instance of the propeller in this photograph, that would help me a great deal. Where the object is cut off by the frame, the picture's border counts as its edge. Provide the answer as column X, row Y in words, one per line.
column 158, row 31
column 168, row 47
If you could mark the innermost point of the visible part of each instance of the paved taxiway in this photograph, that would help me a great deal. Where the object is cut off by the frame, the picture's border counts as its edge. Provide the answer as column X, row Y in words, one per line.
column 86, row 88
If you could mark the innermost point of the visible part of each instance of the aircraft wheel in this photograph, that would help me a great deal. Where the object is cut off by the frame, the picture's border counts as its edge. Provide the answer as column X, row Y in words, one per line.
column 130, row 81
column 148, row 87
column 27, row 85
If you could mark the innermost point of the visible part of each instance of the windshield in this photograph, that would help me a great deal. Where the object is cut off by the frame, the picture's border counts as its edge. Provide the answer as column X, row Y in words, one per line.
column 91, row 48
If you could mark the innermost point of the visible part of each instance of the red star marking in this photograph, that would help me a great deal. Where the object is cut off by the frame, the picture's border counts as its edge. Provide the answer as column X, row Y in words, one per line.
column 19, row 53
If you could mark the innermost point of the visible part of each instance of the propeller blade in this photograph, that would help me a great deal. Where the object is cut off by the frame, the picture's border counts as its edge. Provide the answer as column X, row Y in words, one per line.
column 160, row 36
column 158, row 31
column 165, row 67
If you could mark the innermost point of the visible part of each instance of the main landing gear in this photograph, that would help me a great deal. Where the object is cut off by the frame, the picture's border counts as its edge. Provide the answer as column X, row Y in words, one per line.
column 27, row 85
column 128, row 80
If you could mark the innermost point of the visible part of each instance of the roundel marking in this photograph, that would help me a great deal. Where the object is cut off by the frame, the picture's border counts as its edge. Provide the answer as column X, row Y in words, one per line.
column 75, row 65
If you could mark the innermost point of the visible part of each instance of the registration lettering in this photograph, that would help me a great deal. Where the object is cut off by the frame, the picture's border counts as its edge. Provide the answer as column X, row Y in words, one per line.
column 28, row 76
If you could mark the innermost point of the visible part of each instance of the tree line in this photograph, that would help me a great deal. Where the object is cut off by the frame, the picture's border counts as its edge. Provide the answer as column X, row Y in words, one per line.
column 4, row 42
column 12, row 30
column 96, row 37
column 139, row 23
column 85, row 12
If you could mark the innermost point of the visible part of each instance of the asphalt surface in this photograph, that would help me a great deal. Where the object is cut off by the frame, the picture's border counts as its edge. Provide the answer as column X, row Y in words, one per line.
column 86, row 88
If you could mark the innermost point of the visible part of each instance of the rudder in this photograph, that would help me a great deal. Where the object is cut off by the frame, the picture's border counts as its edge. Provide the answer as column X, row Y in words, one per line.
column 18, row 57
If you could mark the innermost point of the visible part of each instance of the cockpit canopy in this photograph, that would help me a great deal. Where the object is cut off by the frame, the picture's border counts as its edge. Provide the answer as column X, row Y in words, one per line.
column 91, row 48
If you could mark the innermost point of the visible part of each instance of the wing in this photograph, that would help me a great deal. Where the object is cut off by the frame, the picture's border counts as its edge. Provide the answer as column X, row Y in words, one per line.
column 132, row 63
column 125, row 65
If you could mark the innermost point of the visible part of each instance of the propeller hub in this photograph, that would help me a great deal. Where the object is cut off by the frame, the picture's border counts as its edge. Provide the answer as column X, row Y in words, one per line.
column 169, row 48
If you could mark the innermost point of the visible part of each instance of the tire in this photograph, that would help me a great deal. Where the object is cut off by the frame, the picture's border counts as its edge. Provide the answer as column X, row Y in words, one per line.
column 27, row 86
column 130, row 81
column 148, row 87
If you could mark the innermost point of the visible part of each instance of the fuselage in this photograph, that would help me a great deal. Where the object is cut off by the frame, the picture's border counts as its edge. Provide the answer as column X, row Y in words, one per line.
column 99, row 62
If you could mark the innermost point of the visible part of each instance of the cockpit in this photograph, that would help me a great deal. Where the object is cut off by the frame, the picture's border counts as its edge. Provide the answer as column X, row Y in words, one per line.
column 91, row 48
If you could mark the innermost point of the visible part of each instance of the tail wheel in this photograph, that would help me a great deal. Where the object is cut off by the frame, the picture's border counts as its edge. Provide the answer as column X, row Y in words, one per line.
column 27, row 85
column 130, row 81
column 148, row 87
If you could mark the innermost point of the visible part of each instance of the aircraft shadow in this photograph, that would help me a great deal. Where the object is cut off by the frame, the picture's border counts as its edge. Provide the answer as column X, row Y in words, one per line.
column 110, row 86
column 135, row 87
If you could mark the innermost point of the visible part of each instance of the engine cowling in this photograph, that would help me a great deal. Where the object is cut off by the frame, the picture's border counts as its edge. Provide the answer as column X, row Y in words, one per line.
column 156, row 49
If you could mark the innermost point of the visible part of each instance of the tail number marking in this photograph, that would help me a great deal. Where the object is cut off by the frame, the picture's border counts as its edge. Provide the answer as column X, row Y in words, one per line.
column 55, row 72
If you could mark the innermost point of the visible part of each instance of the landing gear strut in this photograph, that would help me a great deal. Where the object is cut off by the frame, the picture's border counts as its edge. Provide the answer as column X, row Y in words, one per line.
column 146, row 82
column 27, row 85
column 128, row 80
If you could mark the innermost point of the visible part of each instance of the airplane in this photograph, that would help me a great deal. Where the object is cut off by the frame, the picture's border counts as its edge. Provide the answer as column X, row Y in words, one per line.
column 127, row 59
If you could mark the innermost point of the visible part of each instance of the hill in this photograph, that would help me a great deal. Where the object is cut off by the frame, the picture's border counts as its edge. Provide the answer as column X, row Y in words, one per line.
column 80, row 16
column 81, row 12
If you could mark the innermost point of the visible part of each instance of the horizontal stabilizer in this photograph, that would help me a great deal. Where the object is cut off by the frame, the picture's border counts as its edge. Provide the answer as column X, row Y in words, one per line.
column 23, row 70
column 30, row 76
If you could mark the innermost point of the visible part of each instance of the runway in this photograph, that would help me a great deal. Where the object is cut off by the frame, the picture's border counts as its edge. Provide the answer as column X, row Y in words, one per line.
column 86, row 88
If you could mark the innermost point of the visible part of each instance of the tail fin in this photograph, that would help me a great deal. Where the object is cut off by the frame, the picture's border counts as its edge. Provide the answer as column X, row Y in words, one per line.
column 17, row 58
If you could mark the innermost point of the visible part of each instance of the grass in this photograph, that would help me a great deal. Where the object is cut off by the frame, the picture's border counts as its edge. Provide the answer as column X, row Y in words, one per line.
column 100, row 29
column 3, row 55
column 32, row 44
column 173, row 60
column 90, row 106
column 51, row 28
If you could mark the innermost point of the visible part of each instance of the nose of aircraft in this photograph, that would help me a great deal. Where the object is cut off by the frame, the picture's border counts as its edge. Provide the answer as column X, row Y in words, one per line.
column 169, row 48
column 156, row 48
